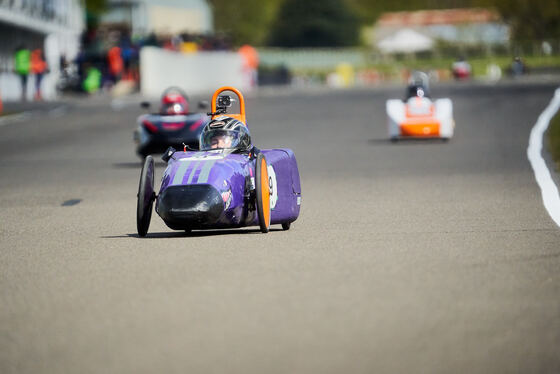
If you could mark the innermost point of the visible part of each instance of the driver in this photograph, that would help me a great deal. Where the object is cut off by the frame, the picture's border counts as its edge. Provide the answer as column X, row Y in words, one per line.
column 225, row 133
column 418, row 86
column 174, row 103
column 417, row 90
column 221, row 141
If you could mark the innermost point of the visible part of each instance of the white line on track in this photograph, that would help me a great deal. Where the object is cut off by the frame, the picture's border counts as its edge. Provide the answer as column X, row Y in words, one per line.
column 549, row 191
column 13, row 118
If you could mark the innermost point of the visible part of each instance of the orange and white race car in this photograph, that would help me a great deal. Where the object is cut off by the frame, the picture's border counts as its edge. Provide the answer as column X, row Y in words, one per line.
column 418, row 116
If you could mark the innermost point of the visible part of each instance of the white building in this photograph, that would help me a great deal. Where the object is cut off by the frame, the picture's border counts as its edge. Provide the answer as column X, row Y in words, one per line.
column 161, row 16
column 53, row 25
column 461, row 26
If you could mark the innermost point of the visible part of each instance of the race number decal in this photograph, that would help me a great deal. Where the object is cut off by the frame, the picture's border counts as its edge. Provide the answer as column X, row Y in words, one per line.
column 273, row 186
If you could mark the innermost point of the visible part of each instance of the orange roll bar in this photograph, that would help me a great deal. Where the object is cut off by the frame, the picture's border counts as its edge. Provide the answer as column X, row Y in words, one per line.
column 239, row 116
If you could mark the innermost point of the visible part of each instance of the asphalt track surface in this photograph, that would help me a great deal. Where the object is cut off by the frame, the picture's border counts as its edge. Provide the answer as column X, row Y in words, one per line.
column 418, row 257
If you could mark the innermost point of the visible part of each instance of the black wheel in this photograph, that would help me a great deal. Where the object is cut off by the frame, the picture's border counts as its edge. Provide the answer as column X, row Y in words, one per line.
column 263, row 193
column 394, row 139
column 286, row 225
column 146, row 197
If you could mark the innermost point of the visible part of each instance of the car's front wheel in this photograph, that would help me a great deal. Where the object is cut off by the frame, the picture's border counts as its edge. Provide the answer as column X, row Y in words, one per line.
column 146, row 197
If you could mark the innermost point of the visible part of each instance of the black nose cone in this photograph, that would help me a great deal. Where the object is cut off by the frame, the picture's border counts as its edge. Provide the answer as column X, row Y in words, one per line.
column 190, row 207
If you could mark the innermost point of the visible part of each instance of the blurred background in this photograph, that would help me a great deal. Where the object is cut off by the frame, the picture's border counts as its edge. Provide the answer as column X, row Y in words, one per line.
column 50, row 48
column 410, row 256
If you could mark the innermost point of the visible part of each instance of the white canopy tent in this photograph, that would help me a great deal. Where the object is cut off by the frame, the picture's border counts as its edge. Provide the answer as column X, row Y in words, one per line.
column 405, row 41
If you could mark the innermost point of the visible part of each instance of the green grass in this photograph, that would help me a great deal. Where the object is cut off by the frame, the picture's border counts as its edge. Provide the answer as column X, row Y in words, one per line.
column 479, row 65
column 553, row 140
column 392, row 69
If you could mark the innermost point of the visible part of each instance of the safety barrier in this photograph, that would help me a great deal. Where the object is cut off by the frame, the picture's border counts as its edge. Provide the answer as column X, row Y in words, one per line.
column 196, row 73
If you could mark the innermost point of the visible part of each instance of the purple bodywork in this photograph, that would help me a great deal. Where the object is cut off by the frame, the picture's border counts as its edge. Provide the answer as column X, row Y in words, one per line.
column 216, row 189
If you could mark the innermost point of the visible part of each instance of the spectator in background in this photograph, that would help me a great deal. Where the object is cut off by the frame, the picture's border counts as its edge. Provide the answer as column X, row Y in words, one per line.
column 22, row 65
column 39, row 68
column 116, row 64
column 127, row 53
column 150, row 41
column 250, row 58
column 63, row 65
column 518, row 68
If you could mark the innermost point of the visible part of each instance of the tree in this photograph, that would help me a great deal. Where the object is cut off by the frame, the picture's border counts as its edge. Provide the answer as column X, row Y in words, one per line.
column 244, row 21
column 93, row 10
column 96, row 7
column 299, row 23
column 369, row 10
column 314, row 23
column 530, row 19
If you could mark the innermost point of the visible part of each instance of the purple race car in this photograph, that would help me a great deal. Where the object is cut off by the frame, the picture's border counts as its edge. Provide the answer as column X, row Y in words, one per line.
column 173, row 126
column 227, row 183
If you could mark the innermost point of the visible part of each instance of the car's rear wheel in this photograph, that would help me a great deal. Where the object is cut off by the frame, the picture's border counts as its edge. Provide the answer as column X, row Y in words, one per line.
column 286, row 225
column 146, row 197
column 263, row 193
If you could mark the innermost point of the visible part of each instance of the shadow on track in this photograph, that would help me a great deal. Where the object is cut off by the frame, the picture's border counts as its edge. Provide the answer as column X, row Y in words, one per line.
column 406, row 141
column 192, row 234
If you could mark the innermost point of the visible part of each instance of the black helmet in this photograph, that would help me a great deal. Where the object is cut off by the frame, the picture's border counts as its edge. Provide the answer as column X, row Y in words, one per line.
column 418, row 85
column 225, row 133
column 417, row 91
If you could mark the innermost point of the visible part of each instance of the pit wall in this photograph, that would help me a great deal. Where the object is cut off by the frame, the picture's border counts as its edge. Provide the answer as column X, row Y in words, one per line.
column 197, row 73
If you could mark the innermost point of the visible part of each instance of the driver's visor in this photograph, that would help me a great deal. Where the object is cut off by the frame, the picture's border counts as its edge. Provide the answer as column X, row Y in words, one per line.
column 219, row 139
